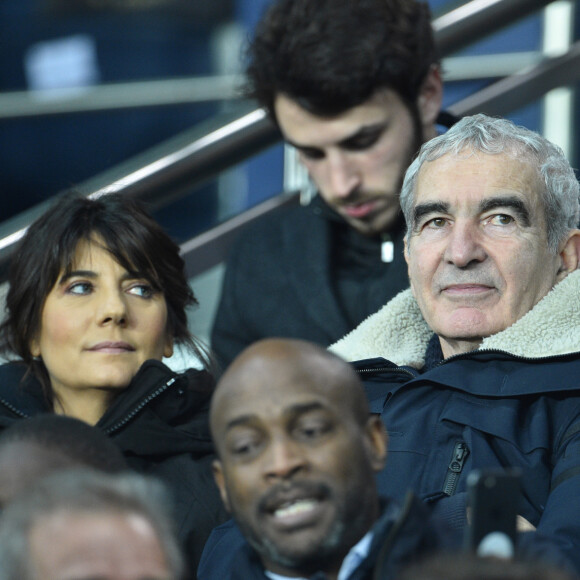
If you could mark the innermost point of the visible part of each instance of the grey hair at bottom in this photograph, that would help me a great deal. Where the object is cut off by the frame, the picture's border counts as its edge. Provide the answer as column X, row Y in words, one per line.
column 84, row 490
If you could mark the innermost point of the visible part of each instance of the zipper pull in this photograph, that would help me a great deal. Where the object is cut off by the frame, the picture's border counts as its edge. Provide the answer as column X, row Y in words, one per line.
column 455, row 467
column 387, row 248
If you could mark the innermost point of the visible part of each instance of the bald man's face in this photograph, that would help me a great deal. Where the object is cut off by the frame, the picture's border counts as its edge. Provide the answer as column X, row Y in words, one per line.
column 297, row 468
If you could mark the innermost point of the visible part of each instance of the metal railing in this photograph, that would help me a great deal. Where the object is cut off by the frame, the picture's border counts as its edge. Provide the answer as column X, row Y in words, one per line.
column 174, row 168
column 118, row 96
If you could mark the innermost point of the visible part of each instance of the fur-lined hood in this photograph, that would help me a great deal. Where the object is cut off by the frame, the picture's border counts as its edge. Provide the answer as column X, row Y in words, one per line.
column 399, row 333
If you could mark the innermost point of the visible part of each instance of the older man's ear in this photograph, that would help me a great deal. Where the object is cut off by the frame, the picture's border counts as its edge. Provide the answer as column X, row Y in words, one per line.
column 569, row 255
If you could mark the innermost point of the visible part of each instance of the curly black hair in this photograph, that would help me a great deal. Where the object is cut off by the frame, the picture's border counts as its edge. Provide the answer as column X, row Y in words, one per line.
column 332, row 55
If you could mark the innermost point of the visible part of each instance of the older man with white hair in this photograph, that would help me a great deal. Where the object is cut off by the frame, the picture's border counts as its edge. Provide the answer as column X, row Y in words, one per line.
column 478, row 364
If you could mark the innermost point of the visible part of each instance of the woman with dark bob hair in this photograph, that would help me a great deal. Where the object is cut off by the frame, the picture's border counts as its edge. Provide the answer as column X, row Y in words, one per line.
column 97, row 298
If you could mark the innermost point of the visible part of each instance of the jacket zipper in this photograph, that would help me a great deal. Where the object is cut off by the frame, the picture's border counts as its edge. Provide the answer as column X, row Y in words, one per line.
column 455, row 467
column 373, row 370
column 140, row 406
column 13, row 409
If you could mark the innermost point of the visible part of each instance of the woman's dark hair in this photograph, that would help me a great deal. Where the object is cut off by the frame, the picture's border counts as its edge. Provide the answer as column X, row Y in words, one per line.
column 134, row 239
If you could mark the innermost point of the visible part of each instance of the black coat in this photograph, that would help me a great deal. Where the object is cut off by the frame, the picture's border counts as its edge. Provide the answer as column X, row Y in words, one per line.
column 281, row 280
column 160, row 423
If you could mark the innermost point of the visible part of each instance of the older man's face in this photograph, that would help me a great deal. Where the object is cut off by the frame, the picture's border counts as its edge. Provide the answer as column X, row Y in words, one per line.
column 478, row 254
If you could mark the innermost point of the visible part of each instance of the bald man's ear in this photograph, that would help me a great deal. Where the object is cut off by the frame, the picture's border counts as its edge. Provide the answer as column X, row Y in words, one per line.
column 377, row 442
column 218, row 476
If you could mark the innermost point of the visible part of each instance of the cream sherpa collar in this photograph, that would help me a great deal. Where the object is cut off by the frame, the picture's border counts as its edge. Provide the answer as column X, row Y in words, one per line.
column 399, row 333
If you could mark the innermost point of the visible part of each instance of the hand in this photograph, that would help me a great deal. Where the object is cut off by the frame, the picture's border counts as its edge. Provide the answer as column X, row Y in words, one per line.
column 522, row 525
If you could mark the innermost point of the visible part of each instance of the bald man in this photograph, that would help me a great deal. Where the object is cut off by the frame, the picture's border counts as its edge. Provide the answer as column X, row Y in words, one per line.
column 298, row 453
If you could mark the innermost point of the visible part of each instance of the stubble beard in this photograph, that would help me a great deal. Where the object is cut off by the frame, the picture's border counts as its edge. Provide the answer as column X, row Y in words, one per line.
column 418, row 138
column 355, row 516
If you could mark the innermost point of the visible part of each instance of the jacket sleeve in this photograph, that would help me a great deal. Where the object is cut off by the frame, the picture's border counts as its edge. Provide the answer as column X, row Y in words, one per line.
column 557, row 536
column 219, row 553
column 230, row 333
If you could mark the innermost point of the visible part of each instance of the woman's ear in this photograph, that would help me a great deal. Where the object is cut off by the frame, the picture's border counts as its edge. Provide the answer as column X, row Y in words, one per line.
column 168, row 349
column 34, row 347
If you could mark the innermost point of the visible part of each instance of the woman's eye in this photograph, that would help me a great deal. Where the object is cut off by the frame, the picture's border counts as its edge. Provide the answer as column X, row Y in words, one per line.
column 80, row 288
column 142, row 290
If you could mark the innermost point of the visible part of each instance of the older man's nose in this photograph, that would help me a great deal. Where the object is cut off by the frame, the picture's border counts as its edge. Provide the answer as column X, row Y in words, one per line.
column 464, row 245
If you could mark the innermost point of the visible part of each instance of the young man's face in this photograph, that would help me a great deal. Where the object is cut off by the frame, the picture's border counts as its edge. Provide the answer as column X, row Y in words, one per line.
column 358, row 159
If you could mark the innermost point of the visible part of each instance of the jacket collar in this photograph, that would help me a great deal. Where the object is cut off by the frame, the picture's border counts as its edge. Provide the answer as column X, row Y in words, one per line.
column 399, row 333
column 311, row 255
column 160, row 413
column 308, row 251
column 20, row 393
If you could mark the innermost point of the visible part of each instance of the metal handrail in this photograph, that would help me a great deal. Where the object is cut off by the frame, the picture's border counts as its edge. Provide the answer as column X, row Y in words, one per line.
column 174, row 168
column 454, row 30
column 522, row 89
column 477, row 19
column 118, row 96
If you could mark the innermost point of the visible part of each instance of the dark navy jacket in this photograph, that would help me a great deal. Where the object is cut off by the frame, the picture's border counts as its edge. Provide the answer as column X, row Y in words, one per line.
column 488, row 408
column 402, row 534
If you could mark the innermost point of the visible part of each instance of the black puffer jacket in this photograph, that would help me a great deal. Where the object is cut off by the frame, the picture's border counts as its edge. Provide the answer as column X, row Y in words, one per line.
column 160, row 422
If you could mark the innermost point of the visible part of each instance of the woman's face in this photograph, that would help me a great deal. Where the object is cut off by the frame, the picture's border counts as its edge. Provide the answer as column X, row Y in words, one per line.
column 99, row 324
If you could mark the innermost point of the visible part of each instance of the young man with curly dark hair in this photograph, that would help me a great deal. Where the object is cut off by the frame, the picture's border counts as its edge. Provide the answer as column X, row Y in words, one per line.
column 356, row 88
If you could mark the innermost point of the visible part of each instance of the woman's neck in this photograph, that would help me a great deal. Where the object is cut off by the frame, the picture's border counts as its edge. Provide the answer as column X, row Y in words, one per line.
column 88, row 405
